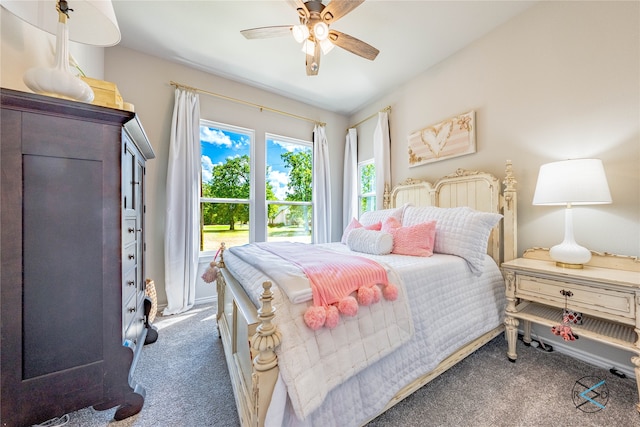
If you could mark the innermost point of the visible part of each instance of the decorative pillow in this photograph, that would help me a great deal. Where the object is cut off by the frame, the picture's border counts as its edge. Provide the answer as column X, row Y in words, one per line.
column 370, row 241
column 356, row 224
column 460, row 231
column 416, row 240
column 372, row 217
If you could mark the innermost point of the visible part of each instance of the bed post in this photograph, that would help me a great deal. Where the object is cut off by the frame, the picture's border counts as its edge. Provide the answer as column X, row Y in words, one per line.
column 266, row 339
column 509, row 211
column 220, row 287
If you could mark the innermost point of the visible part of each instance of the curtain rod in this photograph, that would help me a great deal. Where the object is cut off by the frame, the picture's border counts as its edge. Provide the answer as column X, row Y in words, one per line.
column 387, row 109
column 250, row 104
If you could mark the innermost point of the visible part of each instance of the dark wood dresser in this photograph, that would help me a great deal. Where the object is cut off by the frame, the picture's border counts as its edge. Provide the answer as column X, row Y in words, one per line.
column 72, row 257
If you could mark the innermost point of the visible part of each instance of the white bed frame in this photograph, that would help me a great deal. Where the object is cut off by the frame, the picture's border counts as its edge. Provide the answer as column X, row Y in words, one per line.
column 250, row 338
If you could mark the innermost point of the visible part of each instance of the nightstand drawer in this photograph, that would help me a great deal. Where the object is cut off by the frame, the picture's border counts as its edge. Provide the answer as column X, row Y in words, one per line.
column 587, row 299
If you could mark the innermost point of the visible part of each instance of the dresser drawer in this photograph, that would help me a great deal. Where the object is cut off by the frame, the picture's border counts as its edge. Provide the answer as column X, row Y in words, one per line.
column 129, row 257
column 129, row 285
column 128, row 231
column 130, row 311
column 584, row 298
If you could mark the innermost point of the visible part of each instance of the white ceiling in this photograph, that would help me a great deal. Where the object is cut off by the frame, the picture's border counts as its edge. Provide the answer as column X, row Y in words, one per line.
column 411, row 36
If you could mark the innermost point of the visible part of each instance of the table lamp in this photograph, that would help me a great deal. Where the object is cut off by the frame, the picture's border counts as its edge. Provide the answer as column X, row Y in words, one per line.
column 85, row 21
column 571, row 182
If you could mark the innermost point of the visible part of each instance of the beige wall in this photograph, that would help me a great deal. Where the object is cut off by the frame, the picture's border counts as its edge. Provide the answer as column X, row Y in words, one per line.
column 559, row 81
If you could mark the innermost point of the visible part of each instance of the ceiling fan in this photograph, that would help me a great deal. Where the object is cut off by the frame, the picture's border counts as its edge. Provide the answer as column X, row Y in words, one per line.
column 313, row 31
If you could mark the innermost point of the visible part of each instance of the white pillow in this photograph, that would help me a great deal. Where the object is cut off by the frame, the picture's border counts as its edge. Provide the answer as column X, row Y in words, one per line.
column 372, row 217
column 459, row 231
column 370, row 241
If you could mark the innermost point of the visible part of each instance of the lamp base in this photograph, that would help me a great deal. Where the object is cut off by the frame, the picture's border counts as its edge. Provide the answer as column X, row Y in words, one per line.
column 570, row 255
column 57, row 82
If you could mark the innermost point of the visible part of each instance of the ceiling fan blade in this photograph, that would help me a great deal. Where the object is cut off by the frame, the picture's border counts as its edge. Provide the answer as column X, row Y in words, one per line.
column 353, row 45
column 300, row 7
column 313, row 61
column 336, row 9
column 267, row 32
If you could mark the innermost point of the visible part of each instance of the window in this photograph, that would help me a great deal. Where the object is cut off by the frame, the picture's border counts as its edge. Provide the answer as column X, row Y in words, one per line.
column 366, row 186
column 226, row 185
column 288, row 189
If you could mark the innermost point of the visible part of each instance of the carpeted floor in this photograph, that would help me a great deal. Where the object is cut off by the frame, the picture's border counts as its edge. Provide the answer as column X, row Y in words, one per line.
column 187, row 385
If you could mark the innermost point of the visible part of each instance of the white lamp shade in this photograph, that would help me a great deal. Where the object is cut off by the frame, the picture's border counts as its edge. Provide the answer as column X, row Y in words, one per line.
column 572, row 182
column 91, row 22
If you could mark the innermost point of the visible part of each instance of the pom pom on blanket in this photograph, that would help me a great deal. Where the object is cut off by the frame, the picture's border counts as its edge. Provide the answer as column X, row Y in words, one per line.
column 390, row 292
column 333, row 317
column 348, row 306
column 315, row 317
column 365, row 295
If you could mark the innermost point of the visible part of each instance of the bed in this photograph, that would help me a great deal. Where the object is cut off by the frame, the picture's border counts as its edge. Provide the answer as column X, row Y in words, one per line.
column 286, row 374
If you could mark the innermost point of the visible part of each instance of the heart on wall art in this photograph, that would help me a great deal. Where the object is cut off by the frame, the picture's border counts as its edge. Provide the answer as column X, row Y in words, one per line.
column 450, row 138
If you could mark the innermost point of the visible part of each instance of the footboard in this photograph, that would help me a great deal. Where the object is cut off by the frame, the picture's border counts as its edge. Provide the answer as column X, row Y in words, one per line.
column 249, row 339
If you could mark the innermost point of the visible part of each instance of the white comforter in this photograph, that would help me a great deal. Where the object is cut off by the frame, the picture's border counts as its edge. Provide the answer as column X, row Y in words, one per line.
column 313, row 362
column 450, row 306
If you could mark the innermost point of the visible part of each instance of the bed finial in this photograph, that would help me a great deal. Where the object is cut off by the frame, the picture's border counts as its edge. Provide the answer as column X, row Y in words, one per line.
column 223, row 247
column 386, row 197
column 267, row 337
column 509, row 212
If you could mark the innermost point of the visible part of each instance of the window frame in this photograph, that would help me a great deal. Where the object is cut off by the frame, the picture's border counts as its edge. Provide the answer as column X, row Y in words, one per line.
column 290, row 140
column 361, row 194
column 252, row 181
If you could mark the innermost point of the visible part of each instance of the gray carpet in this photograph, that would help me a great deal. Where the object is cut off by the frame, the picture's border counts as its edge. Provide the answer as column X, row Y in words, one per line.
column 188, row 385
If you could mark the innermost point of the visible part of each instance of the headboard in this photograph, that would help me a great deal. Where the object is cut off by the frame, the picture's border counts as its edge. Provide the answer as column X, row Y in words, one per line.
column 478, row 190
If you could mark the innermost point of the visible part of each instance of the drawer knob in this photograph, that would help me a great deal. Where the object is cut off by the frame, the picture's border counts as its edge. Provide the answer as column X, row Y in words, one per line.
column 131, row 230
column 131, row 256
column 131, row 309
column 566, row 294
column 130, row 283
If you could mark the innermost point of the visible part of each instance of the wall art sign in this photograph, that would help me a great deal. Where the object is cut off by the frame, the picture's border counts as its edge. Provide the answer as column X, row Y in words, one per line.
column 453, row 137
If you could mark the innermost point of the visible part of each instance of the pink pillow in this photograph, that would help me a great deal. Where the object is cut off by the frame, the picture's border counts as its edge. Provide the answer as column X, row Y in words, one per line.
column 356, row 224
column 416, row 240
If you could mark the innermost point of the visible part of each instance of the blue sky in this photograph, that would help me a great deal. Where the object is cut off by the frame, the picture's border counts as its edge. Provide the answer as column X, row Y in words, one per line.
column 218, row 145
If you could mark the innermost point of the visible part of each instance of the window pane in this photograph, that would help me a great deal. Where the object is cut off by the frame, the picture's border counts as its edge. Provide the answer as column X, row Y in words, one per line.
column 290, row 223
column 226, row 165
column 366, row 186
column 289, row 173
column 224, row 222
column 288, row 169
column 226, row 174
column 367, row 204
column 367, row 178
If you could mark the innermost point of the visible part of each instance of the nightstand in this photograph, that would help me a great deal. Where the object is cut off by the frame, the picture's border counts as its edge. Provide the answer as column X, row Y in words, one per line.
column 606, row 291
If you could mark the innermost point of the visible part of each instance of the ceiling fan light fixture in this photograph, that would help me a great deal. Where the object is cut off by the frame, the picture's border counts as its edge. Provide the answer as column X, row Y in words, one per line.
column 308, row 47
column 300, row 32
column 321, row 31
column 326, row 46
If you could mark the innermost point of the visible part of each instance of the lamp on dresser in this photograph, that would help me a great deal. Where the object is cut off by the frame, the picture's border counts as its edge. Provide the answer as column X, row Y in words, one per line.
column 90, row 22
column 568, row 183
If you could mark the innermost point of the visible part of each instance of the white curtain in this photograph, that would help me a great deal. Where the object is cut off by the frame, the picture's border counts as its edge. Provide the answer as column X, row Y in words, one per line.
column 382, row 157
column 350, row 190
column 321, row 187
column 181, row 242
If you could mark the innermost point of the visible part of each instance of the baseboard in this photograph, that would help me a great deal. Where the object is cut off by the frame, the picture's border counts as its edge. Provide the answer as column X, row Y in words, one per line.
column 588, row 357
column 594, row 359
column 206, row 300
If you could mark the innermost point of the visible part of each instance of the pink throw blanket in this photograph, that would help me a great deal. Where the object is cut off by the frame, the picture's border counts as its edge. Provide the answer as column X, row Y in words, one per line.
column 333, row 277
